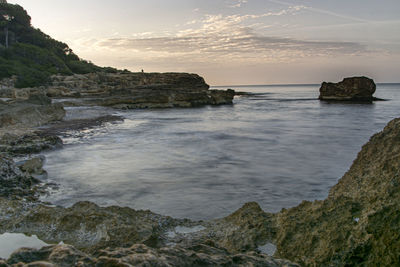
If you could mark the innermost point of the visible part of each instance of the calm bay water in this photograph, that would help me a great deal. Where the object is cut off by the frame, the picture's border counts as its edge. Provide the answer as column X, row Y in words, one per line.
column 277, row 147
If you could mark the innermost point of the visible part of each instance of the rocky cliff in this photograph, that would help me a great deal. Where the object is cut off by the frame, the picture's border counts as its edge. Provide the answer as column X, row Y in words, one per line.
column 359, row 223
column 127, row 90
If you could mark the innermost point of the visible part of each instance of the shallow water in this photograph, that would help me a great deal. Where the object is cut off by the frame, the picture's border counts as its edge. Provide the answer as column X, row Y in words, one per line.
column 278, row 147
column 11, row 242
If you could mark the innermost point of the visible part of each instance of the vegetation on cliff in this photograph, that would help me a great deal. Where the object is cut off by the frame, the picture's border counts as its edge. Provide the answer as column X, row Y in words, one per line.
column 32, row 55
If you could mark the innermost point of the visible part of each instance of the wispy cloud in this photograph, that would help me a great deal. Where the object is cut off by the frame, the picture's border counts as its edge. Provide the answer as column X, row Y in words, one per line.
column 322, row 11
column 219, row 38
column 238, row 3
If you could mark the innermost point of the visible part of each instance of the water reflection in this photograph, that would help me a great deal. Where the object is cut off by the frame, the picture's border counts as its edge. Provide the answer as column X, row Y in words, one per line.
column 11, row 242
column 206, row 162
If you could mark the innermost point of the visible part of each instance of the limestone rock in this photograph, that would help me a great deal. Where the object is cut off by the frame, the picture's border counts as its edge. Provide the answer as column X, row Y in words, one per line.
column 13, row 183
column 34, row 167
column 139, row 90
column 359, row 223
column 129, row 90
column 28, row 143
column 7, row 86
column 35, row 111
column 85, row 225
column 350, row 89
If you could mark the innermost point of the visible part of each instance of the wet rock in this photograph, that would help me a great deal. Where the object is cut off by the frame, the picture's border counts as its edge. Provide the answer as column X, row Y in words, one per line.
column 34, row 167
column 245, row 229
column 350, row 89
column 220, row 97
column 71, row 127
column 85, row 225
column 34, row 142
column 38, row 99
column 60, row 255
column 13, row 183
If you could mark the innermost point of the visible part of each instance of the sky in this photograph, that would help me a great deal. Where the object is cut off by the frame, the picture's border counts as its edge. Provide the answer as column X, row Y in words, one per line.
column 231, row 42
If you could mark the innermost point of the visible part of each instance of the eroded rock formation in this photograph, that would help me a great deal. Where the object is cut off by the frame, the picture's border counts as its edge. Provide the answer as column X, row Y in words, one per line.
column 128, row 90
column 350, row 89
column 359, row 223
column 37, row 110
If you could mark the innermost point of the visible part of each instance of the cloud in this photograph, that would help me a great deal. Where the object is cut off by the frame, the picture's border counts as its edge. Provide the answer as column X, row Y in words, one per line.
column 322, row 11
column 218, row 39
column 226, row 37
column 238, row 3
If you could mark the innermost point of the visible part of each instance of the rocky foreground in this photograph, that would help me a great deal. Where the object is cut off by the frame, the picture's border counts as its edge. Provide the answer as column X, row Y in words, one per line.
column 358, row 224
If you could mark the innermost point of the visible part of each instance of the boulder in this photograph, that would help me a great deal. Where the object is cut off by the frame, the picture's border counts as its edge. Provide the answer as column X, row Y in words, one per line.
column 13, row 183
column 28, row 143
column 35, row 111
column 350, row 89
column 34, row 167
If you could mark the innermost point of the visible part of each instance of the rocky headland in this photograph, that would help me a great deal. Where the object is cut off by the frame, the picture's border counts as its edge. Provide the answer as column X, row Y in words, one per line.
column 126, row 90
column 355, row 89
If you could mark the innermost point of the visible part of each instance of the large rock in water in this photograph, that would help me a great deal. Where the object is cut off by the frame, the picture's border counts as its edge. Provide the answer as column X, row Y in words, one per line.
column 350, row 89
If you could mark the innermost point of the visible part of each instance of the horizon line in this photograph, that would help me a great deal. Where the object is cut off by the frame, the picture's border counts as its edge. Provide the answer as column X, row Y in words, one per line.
column 290, row 84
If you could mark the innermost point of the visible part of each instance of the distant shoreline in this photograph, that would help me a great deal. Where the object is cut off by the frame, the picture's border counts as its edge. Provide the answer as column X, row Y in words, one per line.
column 282, row 85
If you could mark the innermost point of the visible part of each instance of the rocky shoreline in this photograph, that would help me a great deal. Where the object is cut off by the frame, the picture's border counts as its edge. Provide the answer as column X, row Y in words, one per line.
column 126, row 90
column 358, row 224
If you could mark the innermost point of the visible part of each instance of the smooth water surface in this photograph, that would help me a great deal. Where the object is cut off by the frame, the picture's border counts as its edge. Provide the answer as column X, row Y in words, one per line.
column 11, row 242
column 277, row 147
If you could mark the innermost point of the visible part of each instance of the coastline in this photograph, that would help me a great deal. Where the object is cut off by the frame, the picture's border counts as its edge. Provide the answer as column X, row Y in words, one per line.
column 109, row 226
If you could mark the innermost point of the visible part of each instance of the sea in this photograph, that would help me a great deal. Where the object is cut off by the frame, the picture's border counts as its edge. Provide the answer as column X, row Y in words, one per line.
column 277, row 146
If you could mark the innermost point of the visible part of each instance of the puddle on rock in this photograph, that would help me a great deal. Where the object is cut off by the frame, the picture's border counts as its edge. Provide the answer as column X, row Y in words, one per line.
column 11, row 242
column 185, row 230
column 268, row 249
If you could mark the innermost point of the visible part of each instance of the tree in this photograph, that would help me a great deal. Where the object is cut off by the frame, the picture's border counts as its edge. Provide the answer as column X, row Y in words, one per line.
column 5, row 24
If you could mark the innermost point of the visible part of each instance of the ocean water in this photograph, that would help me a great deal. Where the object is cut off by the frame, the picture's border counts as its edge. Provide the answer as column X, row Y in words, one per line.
column 277, row 147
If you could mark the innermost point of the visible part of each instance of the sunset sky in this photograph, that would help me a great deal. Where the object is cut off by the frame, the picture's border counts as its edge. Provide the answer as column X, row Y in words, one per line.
column 231, row 42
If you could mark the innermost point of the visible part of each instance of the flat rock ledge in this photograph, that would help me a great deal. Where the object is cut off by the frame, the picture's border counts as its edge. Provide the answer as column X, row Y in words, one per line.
column 127, row 90
column 356, row 89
